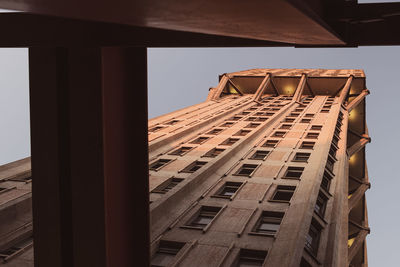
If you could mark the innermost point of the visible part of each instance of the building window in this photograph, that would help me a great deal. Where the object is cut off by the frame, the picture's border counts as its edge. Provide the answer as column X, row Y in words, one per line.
column 228, row 190
column 320, row 205
column 283, row 193
column 181, row 151
column 309, row 115
column 200, row 140
column 293, row 172
column 261, row 119
column 246, row 170
column 167, row 185
column 305, row 120
column 242, row 133
column 15, row 249
column 279, row 134
column 252, row 125
column 244, row 113
column 166, row 253
column 155, row 129
column 286, row 126
column 249, row 258
column 299, row 109
column 251, row 119
column 301, row 157
column 235, row 118
column 313, row 236
column 268, row 223
column 229, row 141
column 194, row 166
column 269, row 113
column 260, row 113
column 172, row 122
column 324, row 110
column 270, row 143
column 307, row 145
column 260, row 154
column 155, row 166
column 227, row 124
column 294, row 114
column 326, row 181
column 214, row 152
column 316, row 127
column 330, row 163
column 203, row 217
column 288, row 120
column 215, row 131
column 332, row 151
column 312, row 135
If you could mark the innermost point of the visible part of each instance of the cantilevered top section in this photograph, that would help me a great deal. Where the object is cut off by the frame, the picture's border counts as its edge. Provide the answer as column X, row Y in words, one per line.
column 285, row 82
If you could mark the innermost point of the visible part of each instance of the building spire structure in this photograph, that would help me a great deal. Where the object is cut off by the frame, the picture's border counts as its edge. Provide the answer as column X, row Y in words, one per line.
column 270, row 170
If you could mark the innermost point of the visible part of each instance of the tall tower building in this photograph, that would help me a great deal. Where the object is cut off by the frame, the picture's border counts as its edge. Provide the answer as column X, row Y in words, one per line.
column 269, row 171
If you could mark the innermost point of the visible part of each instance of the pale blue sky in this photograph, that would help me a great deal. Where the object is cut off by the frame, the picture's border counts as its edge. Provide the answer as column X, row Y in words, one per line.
column 181, row 77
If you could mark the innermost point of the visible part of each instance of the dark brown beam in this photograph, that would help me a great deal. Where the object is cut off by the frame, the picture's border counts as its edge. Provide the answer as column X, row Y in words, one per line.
column 29, row 30
column 89, row 160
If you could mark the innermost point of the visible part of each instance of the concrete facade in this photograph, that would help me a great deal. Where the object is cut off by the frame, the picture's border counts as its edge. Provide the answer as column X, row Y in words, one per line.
column 268, row 171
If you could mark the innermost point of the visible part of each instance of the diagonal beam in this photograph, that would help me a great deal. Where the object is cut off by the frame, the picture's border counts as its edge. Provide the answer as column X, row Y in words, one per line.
column 357, row 100
column 358, row 145
column 235, row 87
column 262, row 87
column 345, row 89
column 216, row 92
column 357, row 244
column 309, row 88
column 300, row 88
column 273, row 86
column 357, row 195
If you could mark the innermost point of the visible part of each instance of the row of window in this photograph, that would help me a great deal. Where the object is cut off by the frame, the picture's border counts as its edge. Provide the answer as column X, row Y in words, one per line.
column 166, row 252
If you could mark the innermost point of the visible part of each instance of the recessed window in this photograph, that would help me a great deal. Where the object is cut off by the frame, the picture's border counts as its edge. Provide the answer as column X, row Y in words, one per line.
column 242, row 132
column 260, row 154
column 288, row 120
column 156, row 128
column 301, row 157
column 203, row 217
column 229, row 141
column 293, row 172
column 172, row 122
column 286, row 126
column 294, row 114
column 299, row 109
column 309, row 115
column 228, row 190
column 332, row 151
column 307, row 145
column 324, row 110
column 326, row 181
column 235, row 118
column 214, row 152
column 181, row 151
column 320, row 205
column 305, row 120
column 2, row 189
column 166, row 253
column 227, row 124
column 261, row 119
column 316, row 127
column 312, row 135
column 215, row 131
column 200, row 140
column 251, row 109
column 260, row 113
column 167, row 185
column 246, row 169
column 270, row 143
column 268, row 223
column 279, row 134
column 283, row 193
column 15, row 249
column 244, row 113
column 269, row 113
column 194, row 166
column 251, row 119
column 330, row 163
column 252, row 125
column 155, row 166
column 313, row 236
column 250, row 258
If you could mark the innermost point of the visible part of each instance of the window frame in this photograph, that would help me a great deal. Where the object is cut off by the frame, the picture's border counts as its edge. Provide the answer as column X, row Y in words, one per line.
column 174, row 152
column 162, row 166
column 268, row 217
column 237, row 172
column 298, row 154
column 292, row 169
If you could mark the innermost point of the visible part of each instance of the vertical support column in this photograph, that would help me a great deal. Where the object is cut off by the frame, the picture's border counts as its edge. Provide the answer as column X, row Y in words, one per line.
column 89, row 165
column 300, row 88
